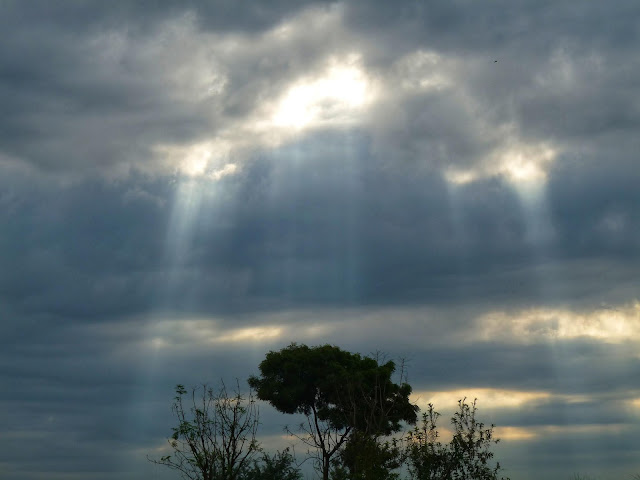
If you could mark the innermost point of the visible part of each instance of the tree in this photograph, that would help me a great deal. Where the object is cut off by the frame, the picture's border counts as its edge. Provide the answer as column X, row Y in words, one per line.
column 366, row 457
column 279, row 466
column 339, row 392
column 427, row 457
column 466, row 457
column 216, row 436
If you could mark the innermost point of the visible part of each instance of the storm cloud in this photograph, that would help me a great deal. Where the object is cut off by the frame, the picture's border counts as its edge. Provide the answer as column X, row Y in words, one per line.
column 185, row 186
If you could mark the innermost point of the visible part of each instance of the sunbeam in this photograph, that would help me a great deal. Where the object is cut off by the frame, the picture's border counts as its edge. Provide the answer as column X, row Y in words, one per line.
column 187, row 187
column 183, row 221
column 183, row 224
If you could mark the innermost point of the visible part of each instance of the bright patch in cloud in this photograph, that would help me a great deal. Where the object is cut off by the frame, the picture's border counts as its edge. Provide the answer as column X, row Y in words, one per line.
column 201, row 333
column 337, row 95
column 209, row 159
column 585, row 429
column 228, row 169
column 519, row 433
column 514, row 433
column 538, row 324
column 487, row 397
column 250, row 334
column 524, row 165
column 458, row 176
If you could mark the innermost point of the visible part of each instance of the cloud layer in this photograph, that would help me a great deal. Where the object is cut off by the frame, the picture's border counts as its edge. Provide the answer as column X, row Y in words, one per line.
column 184, row 188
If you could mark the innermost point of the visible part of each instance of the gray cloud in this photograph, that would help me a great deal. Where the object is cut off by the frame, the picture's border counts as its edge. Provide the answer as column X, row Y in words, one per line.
column 122, row 273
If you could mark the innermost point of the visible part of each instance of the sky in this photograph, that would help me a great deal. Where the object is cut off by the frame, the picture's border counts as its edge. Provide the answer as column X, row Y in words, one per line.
column 185, row 186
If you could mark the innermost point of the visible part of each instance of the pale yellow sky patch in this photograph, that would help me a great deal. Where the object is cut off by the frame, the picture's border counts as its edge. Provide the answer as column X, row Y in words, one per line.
column 585, row 429
column 249, row 334
column 524, row 165
column 611, row 325
column 488, row 398
column 201, row 332
column 168, row 333
column 504, row 433
column 510, row 433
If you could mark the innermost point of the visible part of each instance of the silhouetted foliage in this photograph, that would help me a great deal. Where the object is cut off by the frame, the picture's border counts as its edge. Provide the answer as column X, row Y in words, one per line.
column 466, row 457
column 216, row 436
column 352, row 410
column 365, row 457
column 339, row 392
column 279, row 466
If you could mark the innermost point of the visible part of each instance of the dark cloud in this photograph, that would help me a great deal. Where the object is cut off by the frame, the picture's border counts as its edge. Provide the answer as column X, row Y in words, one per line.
column 593, row 203
column 234, row 16
column 527, row 28
column 285, row 229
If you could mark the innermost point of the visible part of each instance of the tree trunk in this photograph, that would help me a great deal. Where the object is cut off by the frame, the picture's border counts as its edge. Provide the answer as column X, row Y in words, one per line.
column 325, row 466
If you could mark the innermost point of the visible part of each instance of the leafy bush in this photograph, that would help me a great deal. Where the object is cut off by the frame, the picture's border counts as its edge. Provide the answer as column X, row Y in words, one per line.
column 279, row 466
column 365, row 457
column 466, row 457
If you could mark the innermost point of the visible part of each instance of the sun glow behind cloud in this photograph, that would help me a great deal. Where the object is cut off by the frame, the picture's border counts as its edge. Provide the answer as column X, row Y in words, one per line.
column 512, row 433
column 338, row 91
column 493, row 401
column 337, row 96
column 610, row 325
column 332, row 91
column 178, row 334
column 489, row 397
column 203, row 159
column 524, row 165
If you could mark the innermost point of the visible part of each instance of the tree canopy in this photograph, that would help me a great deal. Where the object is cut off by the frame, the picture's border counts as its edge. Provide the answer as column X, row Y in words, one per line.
column 342, row 388
column 353, row 408
column 340, row 393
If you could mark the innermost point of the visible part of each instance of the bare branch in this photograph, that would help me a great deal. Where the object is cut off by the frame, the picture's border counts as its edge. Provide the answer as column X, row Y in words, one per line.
column 216, row 436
